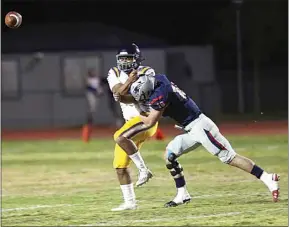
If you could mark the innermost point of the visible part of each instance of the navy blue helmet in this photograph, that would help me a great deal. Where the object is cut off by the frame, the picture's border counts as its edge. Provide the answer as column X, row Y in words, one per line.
column 129, row 58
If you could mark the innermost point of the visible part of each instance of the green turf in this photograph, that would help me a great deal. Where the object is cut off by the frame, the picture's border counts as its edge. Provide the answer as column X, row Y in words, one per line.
column 74, row 184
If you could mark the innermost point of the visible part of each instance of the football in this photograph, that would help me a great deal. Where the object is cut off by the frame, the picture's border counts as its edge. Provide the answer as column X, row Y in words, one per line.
column 13, row 19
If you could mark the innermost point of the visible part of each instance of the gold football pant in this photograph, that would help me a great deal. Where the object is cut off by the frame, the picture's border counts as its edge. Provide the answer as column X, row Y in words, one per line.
column 133, row 129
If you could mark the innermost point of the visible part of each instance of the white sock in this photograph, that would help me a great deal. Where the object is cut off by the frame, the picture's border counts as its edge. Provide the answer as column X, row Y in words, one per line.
column 181, row 193
column 128, row 193
column 265, row 177
column 182, row 190
column 138, row 161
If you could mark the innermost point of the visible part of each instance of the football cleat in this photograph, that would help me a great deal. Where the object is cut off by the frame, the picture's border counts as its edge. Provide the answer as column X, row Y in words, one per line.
column 144, row 177
column 274, row 187
column 179, row 201
column 275, row 195
column 125, row 206
column 174, row 204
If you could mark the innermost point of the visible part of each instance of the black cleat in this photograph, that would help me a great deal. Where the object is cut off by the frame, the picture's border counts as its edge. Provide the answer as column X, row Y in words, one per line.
column 174, row 204
column 171, row 204
column 186, row 200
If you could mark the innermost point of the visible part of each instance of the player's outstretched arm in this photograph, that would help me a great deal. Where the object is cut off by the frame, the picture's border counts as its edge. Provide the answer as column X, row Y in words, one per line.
column 153, row 117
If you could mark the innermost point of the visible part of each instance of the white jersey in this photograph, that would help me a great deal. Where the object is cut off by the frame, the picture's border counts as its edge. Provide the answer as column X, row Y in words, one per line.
column 94, row 84
column 116, row 76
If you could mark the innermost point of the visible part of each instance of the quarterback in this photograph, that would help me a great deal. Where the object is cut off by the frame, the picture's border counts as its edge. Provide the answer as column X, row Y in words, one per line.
column 166, row 99
column 130, row 137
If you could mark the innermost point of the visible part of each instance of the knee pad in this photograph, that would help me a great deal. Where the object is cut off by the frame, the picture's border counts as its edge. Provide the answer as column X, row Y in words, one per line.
column 172, row 157
column 177, row 170
column 173, row 165
column 226, row 156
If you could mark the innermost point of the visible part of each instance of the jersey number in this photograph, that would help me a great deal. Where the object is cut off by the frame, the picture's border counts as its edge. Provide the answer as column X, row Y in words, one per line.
column 177, row 90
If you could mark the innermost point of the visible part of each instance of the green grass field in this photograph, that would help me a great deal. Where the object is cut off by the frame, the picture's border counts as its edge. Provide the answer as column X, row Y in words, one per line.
column 70, row 183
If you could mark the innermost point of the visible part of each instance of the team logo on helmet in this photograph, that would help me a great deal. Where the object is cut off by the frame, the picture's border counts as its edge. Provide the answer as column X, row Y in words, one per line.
column 137, row 87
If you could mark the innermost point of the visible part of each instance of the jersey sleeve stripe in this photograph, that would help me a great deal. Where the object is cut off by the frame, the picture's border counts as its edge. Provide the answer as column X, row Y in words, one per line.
column 144, row 70
column 156, row 99
column 116, row 71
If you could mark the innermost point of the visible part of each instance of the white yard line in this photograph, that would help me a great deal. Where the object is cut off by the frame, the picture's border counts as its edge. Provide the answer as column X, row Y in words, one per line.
column 36, row 207
column 176, row 218
column 273, row 147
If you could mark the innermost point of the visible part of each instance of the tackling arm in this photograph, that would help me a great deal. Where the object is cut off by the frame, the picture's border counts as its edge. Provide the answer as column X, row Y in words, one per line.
column 158, row 103
column 153, row 117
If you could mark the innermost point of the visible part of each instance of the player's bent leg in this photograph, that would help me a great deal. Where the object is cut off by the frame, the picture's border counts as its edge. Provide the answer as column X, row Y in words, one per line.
column 129, row 138
column 144, row 175
column 123, row 137
column 218, row 145
column 269, row 179
column 139, row 139
column 121, row 164
column 178, row 146
column 127, row 145
column 135, row 128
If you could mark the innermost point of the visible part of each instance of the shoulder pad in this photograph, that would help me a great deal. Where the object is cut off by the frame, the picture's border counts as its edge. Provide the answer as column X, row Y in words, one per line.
column 115, row 70
column 144, row 69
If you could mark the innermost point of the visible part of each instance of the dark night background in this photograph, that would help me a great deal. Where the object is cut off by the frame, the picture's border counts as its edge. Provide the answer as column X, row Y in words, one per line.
column 264, row 26
column 181, row 22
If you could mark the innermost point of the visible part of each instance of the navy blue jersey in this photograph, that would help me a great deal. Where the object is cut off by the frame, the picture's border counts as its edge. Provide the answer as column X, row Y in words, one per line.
column 178, row 105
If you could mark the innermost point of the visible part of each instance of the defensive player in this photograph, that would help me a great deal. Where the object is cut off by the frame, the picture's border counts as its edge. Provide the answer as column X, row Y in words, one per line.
column 166, row 99
column 130, row 137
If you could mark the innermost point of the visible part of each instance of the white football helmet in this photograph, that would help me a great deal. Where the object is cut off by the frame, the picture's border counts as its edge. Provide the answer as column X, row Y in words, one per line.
column 142, row 88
